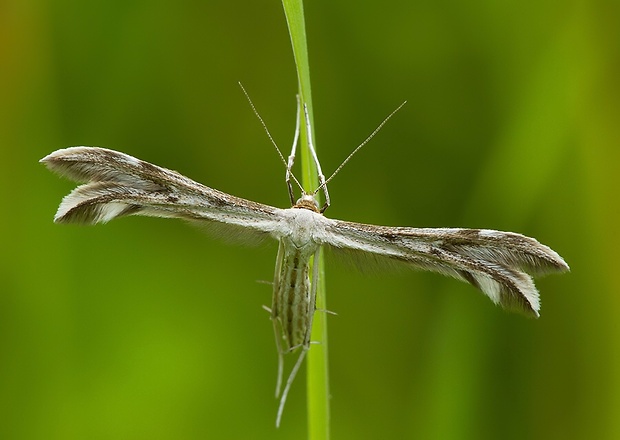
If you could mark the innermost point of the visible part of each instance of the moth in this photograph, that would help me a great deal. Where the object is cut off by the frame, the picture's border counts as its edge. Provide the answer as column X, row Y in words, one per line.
column 500, row 264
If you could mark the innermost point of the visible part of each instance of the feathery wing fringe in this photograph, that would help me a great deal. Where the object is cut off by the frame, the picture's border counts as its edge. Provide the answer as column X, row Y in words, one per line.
column 118, row 185
column 497, row 263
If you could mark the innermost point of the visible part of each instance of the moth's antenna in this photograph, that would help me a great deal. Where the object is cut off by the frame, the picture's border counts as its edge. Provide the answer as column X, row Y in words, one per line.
column 376, row 130
column 269, row 135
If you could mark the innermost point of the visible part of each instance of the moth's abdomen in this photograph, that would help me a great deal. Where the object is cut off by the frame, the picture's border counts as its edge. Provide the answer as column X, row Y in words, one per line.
column 291, row 308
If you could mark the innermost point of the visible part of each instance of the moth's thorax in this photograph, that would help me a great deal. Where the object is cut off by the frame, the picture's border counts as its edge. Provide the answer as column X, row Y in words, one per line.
column 304, row 229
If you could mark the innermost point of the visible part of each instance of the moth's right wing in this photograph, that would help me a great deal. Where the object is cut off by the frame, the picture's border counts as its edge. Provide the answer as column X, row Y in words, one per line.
column 119, row 185
column 498, row 263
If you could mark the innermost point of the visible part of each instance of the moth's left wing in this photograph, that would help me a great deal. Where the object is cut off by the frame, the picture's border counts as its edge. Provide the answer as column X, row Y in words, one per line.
column 498, row 263
column 119, row 185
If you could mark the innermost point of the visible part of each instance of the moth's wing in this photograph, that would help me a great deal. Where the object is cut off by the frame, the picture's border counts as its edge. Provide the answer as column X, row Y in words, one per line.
column 119, row 185
column 498, row 263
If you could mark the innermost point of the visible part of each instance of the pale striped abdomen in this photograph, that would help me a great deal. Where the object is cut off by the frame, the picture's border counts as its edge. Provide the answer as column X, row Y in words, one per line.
column 292, row 309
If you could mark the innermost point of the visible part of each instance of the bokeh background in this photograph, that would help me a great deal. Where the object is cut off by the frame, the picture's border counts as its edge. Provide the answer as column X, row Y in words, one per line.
column 148, row 328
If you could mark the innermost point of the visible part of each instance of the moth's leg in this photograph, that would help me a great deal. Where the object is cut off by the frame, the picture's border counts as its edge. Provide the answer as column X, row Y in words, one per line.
column 313, row 289
column 276, row 328
column 289, row 382
column 319, row 171
column 291, row 157
column 275, row 319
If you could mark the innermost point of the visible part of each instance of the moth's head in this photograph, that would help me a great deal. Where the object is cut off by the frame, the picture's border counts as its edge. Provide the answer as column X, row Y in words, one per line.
column 307, row 201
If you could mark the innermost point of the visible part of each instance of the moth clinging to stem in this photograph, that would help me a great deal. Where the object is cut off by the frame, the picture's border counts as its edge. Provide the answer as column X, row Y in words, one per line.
column 500, row 264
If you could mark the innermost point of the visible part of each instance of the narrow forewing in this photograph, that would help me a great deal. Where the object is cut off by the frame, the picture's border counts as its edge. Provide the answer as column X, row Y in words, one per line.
column 498, row 263
column 118, row 185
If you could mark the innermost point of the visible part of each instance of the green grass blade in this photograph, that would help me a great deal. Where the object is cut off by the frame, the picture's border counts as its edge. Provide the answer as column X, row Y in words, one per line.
column 317, row 360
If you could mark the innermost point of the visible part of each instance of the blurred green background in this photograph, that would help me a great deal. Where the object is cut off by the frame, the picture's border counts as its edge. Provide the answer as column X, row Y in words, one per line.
column 148, row 328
